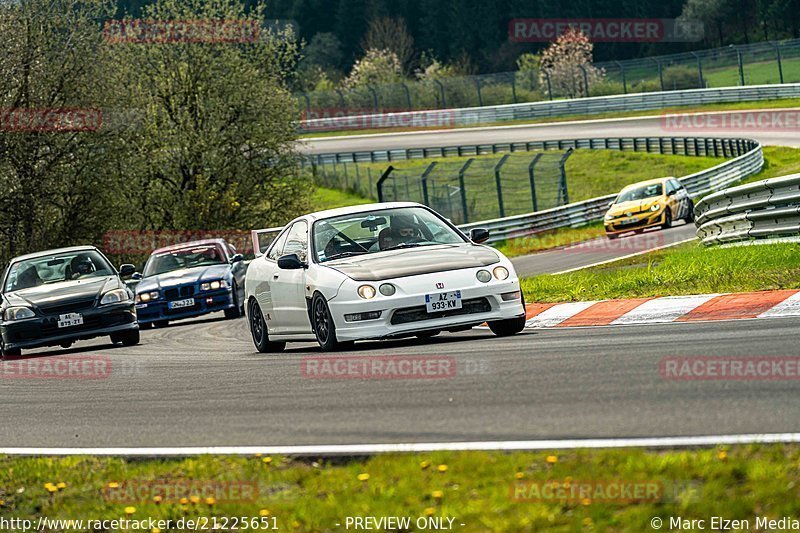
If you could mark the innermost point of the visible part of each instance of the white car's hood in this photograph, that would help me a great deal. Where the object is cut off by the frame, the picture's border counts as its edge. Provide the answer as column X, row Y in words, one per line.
column 413, row 261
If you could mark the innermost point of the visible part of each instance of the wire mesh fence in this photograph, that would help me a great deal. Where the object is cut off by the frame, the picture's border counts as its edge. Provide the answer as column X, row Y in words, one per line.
column 769, row 62
column 481, row 188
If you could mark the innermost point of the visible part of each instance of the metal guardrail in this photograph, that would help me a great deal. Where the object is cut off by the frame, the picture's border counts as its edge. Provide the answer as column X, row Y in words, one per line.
column 698, row 184
column 474, row 116
column 768, row 209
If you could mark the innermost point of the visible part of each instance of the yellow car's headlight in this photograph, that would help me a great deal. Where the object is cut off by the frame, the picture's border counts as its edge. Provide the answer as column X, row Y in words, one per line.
column 655, row 207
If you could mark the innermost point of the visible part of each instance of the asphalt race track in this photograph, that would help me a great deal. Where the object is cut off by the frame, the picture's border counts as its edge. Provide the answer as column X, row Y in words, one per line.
column 203, row 384
column 652, row 126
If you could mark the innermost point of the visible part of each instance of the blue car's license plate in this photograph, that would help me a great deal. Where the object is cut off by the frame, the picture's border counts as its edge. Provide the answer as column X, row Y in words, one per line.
column 179, row 304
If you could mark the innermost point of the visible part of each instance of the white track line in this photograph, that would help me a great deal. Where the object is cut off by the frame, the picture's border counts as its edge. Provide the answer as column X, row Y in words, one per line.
column 607, row 261
column 789, row 307
column 368, row 449
column 665, row 309
column 557, row 314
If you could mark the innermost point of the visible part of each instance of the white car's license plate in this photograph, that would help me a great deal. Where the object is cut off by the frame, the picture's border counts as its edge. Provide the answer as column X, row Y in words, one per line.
column 443, row 301
column 70, row 319
column 179, row 304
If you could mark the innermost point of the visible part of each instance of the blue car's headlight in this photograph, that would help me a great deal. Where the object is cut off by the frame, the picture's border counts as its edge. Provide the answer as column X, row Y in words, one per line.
column 147, row 296
column 213, row 285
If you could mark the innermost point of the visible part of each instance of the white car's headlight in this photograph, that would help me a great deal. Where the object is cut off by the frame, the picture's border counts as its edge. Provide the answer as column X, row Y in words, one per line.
column 115, row 296
column 147, row 296
column 213, row 285
column 19, row 313
column 484, row 276
column 367, row 292
column 500, row 273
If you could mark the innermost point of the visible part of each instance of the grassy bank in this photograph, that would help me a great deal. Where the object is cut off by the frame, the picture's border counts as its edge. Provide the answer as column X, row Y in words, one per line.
column 686, row 269
column 485, row 491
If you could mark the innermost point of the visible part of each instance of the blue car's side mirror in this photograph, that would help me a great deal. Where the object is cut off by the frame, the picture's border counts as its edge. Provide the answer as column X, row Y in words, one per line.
column 236, row 258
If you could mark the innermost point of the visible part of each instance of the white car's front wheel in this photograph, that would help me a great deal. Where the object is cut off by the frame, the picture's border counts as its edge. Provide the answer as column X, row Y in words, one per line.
column 324, row 328
column 258, row 329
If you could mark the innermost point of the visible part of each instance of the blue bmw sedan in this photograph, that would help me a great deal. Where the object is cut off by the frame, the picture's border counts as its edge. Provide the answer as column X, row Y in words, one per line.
column 189, row 280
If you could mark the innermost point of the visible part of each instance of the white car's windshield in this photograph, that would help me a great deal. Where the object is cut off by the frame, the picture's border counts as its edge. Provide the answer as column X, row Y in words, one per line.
column 378, row 231
column 640, row 193
column 57, row 268
column 184, row 257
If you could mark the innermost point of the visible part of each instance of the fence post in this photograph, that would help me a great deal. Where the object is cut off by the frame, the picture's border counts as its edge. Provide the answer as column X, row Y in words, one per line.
column 777, row 47
column 514, row 87
column 562, row 188
column 478, row 88
column 441, row 92
column 549, row 87
column 622, row 72
column 498, row 185
column 585, row 79
column 463, row 186
column 383, row 178
column 660, row 74
column 371, row 89
column 533, row 181
column 369, row 176
column 408, row 95
column 424, row 181
column 341, row 99
column 741, row 66
column 308, row 101
column 699, row 69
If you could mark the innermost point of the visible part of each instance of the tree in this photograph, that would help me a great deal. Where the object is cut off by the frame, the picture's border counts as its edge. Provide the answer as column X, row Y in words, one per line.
column 377, row 67
column 216, row 147
column 391, row 34
column 568, row 64
column 60, row 179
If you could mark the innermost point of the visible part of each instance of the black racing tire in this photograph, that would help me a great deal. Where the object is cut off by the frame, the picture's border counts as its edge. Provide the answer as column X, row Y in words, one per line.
column 428, row 334
column 126, row 338
column 667, row 218
column 235, row 311
column 324, row 328
column 612, row 236
column 161, row 323
column 510, row 326
column 690, row 216
column 260, row 332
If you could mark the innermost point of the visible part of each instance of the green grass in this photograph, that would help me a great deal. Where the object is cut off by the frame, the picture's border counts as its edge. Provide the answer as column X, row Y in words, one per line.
column 477, row 488
column 766, row 104
column 761, row 73
column 685, row 269
column 323, row 198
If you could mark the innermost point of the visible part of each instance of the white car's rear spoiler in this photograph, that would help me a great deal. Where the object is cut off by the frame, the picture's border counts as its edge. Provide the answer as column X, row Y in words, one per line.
column 262, row 238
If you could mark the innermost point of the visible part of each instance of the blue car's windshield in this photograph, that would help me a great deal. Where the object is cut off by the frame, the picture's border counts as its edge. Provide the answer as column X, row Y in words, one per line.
column 184, row 257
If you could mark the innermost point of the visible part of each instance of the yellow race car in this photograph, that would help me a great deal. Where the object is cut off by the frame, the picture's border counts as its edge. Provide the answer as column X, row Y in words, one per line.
column 647, row 204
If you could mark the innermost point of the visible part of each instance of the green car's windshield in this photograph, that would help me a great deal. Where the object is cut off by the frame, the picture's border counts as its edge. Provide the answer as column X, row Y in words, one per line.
column 378, row 231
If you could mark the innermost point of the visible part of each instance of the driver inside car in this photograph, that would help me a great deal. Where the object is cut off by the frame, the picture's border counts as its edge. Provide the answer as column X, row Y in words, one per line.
column 81, row 265
column 401, row 230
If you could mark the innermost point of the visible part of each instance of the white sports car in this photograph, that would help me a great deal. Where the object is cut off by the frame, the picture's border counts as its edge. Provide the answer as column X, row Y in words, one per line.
column 377, row 271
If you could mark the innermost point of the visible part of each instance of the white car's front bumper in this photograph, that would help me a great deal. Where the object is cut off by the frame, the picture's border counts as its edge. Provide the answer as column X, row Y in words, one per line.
column 483, row 300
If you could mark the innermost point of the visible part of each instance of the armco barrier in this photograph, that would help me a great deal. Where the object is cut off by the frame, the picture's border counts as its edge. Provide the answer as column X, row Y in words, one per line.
column 475, row 116
column 747, row 159
column 768, row 209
